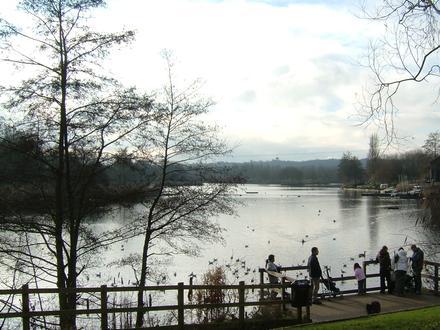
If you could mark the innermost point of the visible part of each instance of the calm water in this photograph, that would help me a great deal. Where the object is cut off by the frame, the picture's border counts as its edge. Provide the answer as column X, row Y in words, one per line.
column 284, row 221
column 275, row 220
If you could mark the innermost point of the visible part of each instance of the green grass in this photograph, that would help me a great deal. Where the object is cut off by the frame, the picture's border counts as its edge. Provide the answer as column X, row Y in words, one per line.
column 424, row 319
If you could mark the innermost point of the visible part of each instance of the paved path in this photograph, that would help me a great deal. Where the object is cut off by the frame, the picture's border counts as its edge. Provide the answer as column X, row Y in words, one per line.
column 352, row 306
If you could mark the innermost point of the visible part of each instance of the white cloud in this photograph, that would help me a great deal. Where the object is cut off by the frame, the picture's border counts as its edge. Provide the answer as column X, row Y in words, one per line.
column 279, row 74
column 283, row 76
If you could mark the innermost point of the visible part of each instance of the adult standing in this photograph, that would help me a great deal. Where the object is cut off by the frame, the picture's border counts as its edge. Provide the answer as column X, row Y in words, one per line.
column 271, row 266
column 417, row 259
column 400, row 269
column 383, row 257
column 315, row 274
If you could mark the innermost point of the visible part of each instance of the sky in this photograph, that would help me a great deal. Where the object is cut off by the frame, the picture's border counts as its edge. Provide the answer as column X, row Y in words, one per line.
column 286, row 76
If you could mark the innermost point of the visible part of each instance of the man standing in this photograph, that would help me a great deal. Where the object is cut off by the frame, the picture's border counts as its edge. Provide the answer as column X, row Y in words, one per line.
column 384, row 260
column 315, row 274
column 417, row 266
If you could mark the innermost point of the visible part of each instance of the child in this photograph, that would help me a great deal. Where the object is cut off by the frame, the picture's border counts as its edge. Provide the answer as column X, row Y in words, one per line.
column 360, row 276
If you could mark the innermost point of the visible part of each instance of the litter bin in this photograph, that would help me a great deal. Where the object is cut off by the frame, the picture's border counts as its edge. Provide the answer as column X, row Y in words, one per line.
column 300, row 293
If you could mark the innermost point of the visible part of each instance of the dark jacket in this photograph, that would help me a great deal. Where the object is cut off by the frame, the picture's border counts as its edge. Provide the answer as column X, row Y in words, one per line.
column 314, row 267
column 384, row 260
column 417, row 260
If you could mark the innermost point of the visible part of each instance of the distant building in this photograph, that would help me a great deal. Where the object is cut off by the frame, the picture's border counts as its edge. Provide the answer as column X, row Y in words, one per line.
column 435, row 170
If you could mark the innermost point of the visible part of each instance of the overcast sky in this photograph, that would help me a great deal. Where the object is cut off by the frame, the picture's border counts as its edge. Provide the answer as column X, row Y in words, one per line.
column 285, row 75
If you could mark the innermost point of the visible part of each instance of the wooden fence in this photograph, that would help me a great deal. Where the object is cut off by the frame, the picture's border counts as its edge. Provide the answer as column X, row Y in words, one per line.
column 104, row 310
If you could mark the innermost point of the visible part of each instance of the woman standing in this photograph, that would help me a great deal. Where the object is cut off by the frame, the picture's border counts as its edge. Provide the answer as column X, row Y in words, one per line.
column 400, row 269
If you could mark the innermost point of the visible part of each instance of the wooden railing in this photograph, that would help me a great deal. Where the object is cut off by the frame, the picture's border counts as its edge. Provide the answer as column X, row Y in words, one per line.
column 104, row 310
column 428, row 266
column 335, row 279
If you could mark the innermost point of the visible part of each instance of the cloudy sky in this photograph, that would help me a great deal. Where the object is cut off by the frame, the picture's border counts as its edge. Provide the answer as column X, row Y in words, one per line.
column 286, row 76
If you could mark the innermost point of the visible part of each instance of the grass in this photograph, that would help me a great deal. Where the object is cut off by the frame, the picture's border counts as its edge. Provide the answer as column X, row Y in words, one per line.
column 423, row 319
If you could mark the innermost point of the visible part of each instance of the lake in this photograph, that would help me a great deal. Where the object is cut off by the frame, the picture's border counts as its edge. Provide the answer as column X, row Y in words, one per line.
column 288, row 222
column 272, row 219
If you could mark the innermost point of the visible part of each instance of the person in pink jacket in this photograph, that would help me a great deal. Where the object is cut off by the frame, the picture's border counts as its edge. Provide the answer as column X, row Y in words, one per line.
column 360, row 276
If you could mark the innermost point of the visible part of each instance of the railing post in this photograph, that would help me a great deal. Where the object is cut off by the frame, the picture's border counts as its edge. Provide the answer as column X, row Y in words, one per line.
column 436, row 279
column 261, row 283
column 180, row 305
column 25, row 312
column 283, row 294
column 241, row 304
column 364, row 266
column 299, row 314
column 190, row 291
column 104, row 318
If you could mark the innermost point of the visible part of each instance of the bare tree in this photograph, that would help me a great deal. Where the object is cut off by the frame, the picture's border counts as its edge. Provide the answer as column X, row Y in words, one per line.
column 179, row 216
column 350, row 169
column 432, row 144
column 79, row 115
column 373, row 158
column 407, row 54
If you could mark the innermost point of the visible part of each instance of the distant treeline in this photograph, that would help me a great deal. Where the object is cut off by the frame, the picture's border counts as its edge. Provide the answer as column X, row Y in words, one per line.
column 286, row 172
column 23, row 160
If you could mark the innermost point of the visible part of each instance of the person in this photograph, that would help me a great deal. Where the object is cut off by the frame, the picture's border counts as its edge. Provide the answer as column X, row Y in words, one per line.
column 384, row 260
column 271, row 266
column 400, row 269
column 361, row 278
column 417, row 266
column 315, row 274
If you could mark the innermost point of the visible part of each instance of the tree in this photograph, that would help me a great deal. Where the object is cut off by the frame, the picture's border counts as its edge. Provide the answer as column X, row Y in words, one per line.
column 181, row 215
column 78, row 114
column 350, row 169
column 407, row 54
column 432, row 144
column 373, row 158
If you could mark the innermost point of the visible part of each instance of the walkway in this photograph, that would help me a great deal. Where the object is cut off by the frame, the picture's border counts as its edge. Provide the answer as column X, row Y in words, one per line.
column 352, row 306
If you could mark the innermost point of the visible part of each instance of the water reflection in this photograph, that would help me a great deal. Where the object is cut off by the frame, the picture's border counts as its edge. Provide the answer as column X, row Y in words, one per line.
column 288, row 221
column 372, row 221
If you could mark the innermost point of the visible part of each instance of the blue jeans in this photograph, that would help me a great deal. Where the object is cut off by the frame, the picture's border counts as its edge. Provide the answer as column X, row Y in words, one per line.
column 417, row 280
column 385, row 275
column 361, row 286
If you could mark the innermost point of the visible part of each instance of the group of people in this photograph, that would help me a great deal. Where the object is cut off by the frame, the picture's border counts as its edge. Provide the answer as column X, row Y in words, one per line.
column 393, row 271
column 314, row 269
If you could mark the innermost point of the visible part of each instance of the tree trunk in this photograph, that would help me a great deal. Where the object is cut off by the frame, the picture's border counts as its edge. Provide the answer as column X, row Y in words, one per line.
column 143, row 280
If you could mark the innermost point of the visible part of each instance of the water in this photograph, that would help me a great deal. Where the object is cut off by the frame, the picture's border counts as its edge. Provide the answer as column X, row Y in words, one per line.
column 284, row 221
column 288, row 222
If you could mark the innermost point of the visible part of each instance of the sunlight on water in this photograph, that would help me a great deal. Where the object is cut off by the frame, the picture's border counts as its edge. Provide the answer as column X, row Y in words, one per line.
column 288, row 222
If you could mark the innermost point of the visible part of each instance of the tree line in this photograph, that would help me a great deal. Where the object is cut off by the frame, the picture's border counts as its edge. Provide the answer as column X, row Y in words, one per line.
column 412, row 166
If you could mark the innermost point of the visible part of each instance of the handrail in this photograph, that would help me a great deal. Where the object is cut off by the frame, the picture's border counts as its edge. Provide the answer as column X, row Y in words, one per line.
column 365, row 264
column 26, row 314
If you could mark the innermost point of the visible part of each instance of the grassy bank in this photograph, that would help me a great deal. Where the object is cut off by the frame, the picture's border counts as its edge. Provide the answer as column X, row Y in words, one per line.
column 424, row 319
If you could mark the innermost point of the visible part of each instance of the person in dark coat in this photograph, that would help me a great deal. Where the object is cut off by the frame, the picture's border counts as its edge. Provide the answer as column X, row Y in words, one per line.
column 315, row 274
column 417, row 260
column 384, row 260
